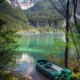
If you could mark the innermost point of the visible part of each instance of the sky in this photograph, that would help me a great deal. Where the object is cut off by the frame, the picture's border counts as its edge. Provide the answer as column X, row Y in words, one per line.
column 21, row 0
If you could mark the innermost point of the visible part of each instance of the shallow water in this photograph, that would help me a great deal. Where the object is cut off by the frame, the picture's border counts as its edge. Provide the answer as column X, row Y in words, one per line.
column 32, row 47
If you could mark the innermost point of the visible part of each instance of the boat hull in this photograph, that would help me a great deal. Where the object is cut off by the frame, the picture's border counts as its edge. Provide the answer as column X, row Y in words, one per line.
column 61, row 74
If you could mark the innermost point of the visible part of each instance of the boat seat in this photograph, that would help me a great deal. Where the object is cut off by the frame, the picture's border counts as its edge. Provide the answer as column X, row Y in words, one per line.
column 47, row 64
column 57, row 68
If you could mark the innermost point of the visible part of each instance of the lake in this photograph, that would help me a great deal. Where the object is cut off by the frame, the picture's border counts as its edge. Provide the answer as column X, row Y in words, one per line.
column 37, row 43
column 34, row 46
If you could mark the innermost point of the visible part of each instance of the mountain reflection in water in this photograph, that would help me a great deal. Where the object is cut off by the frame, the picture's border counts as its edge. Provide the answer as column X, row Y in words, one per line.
column 25, row 57
column 26, row 63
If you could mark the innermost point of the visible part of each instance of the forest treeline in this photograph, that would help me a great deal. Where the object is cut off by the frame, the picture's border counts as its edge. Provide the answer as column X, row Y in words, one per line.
column 43, row 14
column 14, row 18
column 38, row 16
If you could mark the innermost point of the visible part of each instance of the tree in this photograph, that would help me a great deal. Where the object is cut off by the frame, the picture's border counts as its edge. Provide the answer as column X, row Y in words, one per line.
column 66, row 15
column 7, row 45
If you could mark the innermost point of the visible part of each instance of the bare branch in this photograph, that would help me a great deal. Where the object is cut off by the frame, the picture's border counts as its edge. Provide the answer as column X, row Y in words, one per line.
column 62, row 5
column 75, row 7
column 57, row 9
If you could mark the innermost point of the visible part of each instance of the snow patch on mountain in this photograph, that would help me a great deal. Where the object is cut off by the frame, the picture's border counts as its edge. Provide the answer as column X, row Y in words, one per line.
column 25, row 4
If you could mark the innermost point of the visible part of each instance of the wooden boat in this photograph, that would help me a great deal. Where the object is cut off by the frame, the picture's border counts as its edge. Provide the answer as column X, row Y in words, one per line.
column 52, row 70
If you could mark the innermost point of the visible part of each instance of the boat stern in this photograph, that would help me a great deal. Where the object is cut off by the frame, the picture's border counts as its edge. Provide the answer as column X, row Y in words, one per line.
column 66, row 74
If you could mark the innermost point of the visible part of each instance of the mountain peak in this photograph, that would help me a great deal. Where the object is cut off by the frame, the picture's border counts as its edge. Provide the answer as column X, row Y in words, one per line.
column 25, row 4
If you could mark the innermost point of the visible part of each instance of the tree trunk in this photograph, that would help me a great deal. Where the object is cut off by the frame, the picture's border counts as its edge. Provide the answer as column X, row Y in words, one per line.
column 67, row 39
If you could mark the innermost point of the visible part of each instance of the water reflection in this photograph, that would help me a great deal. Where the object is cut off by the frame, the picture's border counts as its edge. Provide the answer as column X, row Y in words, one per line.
column 37, row 42
column 25, row 58
column 26, row 63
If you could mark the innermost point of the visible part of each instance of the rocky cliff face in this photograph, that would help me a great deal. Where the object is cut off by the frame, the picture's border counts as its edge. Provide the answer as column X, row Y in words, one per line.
column 78, row 11
column 24, row 5
column 14, row 3
column 28, row 3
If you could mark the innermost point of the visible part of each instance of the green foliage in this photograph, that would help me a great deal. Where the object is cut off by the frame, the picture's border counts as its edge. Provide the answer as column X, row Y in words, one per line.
column 57, row 51
column 7, row 76
column 7, row 45
column 58, row 46
column 75, row 76
column 42, row 14
column 46, row 29
column 15, row 18
column 55, row 54
column 15, row 13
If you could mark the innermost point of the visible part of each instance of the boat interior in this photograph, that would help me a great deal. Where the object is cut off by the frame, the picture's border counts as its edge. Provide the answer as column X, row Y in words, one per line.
column 50, row 66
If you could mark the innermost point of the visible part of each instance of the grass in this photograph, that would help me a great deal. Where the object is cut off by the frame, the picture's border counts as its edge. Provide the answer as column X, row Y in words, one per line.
column 75, row 76
column 7, row 76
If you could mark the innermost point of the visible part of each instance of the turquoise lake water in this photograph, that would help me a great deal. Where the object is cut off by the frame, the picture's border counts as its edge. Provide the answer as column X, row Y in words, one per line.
column 36, row 45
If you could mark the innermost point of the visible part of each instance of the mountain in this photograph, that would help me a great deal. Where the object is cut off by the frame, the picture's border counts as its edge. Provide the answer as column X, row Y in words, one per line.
column 43, row 14
column 14, row 18
column 25, row 4
column 28, row 3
